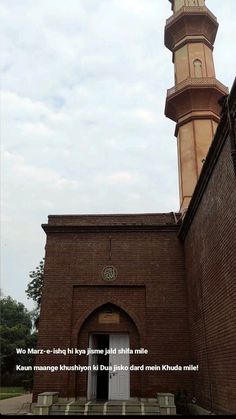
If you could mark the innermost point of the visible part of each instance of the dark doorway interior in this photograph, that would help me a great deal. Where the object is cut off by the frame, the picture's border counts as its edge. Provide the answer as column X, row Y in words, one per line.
column 102, row 376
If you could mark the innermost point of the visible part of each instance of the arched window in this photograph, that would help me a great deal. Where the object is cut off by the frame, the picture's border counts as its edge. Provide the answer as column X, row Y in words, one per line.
column 197, row 68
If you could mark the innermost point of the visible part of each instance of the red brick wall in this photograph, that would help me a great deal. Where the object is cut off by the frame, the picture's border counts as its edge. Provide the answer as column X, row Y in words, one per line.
column 150, row 289
column 210, row 249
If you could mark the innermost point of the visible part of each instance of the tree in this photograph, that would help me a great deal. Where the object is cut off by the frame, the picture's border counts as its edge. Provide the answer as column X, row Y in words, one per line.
column 13, row 313
column 15, row 328
column 35, row 287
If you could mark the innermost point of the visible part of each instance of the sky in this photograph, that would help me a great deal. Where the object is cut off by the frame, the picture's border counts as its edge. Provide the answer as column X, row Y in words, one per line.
column 83, row 130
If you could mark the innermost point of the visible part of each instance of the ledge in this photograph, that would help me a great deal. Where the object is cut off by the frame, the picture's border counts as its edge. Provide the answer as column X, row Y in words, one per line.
column 190, row 21
column 193, row 10
column 206, row 82
column 109, row 228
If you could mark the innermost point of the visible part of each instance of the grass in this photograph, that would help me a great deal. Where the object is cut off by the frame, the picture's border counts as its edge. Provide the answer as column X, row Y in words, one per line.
column 7, row 392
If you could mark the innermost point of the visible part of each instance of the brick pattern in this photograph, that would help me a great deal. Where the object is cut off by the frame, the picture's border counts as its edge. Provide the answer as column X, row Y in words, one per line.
column 149, row 290
column 210, row 262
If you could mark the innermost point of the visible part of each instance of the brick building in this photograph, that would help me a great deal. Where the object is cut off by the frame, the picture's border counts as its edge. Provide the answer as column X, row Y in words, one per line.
column 164, row 283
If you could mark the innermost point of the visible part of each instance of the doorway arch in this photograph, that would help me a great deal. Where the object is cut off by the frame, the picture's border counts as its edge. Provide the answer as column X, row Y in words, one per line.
column 108, row 327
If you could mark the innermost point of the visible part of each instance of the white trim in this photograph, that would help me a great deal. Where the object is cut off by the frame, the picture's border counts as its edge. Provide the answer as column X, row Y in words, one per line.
column 142, row 408
column 123, row 408
column 68, row 407
column 86, row 408
column 105, row 408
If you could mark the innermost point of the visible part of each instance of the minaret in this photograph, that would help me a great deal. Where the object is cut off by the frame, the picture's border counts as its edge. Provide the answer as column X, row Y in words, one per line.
column 193, row 102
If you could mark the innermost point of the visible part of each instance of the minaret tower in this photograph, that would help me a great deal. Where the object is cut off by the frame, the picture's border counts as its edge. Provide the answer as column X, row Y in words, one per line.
column 193, row 102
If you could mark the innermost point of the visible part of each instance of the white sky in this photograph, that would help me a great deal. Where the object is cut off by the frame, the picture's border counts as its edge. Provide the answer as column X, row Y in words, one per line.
column 82, row 115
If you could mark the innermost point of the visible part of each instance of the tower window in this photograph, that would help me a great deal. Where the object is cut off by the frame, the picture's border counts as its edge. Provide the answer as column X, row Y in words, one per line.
column 192, row 3
column 197, row 68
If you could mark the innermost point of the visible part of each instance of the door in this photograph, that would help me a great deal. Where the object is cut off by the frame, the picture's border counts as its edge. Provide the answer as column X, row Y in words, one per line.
column 119, row 381
column 92, row 375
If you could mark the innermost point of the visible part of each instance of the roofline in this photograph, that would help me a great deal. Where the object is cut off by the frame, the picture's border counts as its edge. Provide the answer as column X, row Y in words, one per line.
column 138, row 214
column 108, row 228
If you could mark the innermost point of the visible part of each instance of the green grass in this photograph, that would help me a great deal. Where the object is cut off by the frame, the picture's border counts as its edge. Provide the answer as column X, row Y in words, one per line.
column 7, row 392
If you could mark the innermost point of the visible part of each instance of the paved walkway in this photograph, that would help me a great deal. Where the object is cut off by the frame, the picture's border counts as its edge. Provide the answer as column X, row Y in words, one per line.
column 16, row 405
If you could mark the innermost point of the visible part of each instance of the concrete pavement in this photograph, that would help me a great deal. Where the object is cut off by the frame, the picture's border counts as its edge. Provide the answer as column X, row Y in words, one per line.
column 16, row 405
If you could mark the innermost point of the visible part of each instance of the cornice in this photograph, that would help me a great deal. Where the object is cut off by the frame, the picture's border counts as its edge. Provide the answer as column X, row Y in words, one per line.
column 190, row 21
column 183, row 98
column 191, row 10
column 59, row 229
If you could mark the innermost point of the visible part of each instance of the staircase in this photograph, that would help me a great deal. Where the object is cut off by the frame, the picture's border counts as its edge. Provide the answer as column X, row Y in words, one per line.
column 106, row 408
column 50, row 404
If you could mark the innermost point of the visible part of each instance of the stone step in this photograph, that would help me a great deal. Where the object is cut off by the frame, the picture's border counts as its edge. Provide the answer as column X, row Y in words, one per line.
column 50, row 404
column 81, row 413
column 107, row 408
column 67, row 407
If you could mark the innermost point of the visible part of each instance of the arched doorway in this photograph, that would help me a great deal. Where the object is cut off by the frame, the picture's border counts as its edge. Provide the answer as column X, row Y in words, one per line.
column 110, row 334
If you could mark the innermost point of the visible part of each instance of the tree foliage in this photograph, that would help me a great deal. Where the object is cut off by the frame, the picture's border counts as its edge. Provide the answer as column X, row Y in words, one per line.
column 13, row 313
column 15, row 332
column 34, row 289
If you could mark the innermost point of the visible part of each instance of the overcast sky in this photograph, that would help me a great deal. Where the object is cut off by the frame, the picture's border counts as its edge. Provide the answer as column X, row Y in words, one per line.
column 83, row 129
